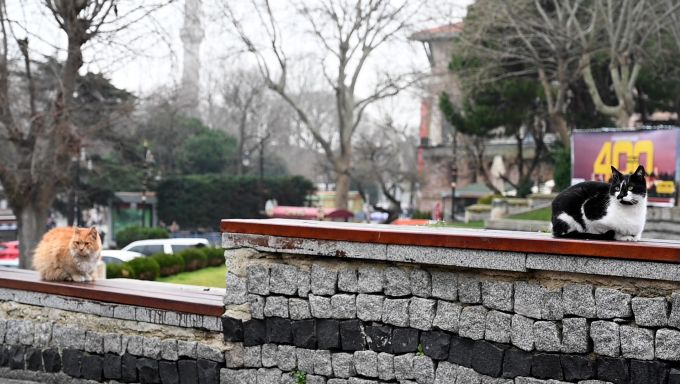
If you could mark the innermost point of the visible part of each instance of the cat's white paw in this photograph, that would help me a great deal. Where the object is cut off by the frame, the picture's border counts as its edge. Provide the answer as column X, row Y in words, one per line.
column 626, row 238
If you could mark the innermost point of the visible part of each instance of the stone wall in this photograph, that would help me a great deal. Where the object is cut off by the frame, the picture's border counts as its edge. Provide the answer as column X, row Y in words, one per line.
column 662, row 223
column 320, row 310
column 56, row 339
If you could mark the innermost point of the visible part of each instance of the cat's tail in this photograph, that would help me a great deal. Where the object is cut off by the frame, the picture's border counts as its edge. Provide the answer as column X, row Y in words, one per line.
column 609, row 235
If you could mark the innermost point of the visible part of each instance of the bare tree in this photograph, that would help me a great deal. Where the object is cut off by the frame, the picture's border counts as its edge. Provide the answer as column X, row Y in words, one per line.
column 526, row 38
column 38, row 142
column 557, row 40
column 623, row 31
column 348, row 35
column 386, row 159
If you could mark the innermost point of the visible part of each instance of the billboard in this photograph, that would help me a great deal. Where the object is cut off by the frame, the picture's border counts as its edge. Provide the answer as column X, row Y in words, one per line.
column 595, row 151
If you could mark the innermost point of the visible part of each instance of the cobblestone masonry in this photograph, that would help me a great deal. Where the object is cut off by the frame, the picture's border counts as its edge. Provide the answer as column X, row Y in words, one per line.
column 386, row 322
column 360, row 320
column 64, row 340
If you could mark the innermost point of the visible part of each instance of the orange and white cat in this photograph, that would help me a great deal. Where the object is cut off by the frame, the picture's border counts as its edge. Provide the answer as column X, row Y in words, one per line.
column 68, row 254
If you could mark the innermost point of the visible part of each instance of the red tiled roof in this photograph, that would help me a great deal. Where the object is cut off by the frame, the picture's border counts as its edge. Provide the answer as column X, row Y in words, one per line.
column 441, row 32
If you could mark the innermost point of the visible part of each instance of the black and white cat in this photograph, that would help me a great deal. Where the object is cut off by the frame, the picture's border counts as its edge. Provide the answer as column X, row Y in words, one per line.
column 595, row 210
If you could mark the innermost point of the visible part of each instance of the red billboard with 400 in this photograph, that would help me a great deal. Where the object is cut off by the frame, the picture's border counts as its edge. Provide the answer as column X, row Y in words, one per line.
column 595, row 151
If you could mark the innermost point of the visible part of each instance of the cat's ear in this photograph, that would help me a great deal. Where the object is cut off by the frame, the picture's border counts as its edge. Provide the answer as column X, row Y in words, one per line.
column 616, row 175
column 640, row 171
column 93, row 232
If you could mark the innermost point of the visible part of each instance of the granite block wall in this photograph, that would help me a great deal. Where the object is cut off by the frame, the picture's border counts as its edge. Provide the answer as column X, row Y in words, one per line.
column 338, row 321
column 54, row 339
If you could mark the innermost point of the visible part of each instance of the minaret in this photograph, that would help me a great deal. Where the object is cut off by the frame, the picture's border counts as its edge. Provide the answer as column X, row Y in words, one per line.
column 191, row 34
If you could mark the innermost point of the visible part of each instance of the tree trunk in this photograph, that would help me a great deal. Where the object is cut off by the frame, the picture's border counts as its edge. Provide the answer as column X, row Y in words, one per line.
column 558, row 123
column 342, row 179
column 31, row 220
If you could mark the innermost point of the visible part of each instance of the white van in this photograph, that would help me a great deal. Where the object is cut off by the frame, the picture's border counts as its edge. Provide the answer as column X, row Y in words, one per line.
column 151, row 246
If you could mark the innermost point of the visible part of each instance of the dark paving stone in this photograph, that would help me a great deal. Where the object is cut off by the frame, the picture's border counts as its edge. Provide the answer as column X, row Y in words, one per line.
column 613, row 369
column 304, row 333
column 460, row 351
column 405, row 340
column 436, row 344
column 34, row 359
column 147, row 369
column 352, row 335
column 168, row 372
column 546, row 366
column 188, row 373
column 208, row 372
column 4, row 356
column 379, row 338
column 92, row 366
column 232, row 329
column 112, row 366
column 516, row 362
column 51, row 360
column 578, row 367
column 278, row 330
column 328, row 334
column 674, row 376
column 128, row 368
column 254, row 333
column 487, row 358
column 70, row 360
column 648, row 372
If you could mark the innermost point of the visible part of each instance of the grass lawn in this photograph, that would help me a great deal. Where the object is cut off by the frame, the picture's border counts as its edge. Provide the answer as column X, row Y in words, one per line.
column 208, row 277
column 543, row 214
column 479, row 224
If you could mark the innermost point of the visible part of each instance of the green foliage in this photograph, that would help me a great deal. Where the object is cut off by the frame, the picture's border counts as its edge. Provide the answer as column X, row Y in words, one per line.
column 122, row 270
column 300, row 377
column 169, row 264
column 145, row 268
column 201, row 201
column 488, row 199
column 562, row 176
column 206, row 277
column 215, row 255
column 207, row 152
column 194, row 258
column 130, row 234
column 543, row 214
column 421, row 351
column 422, row 215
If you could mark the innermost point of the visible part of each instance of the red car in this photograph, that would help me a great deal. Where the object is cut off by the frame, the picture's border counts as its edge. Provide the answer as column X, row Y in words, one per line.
column 9, row 250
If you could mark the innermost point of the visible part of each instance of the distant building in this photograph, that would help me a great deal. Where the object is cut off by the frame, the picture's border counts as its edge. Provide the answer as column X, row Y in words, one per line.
column 435, row 150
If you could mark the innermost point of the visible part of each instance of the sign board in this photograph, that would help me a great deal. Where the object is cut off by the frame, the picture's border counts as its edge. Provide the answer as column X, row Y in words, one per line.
column 595, row 151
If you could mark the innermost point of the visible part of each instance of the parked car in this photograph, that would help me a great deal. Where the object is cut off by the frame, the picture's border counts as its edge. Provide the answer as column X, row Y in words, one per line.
column 9, row 254
column 118, row 256
column 170, row 246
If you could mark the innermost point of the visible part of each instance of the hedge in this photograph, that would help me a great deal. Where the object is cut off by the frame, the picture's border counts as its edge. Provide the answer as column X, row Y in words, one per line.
column 194, row 258
column 122, row 270
column 169, row 264
column 215, row 256
column 161, row 264
column 145, row 268
column 201, row 201
column 134, row 233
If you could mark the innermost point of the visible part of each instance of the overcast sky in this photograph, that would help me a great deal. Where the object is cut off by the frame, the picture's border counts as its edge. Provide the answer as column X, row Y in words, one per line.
column 148, row 54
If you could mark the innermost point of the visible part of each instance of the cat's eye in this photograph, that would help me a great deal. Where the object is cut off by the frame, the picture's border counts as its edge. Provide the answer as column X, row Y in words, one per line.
column 630, row 188
column 616, row 189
